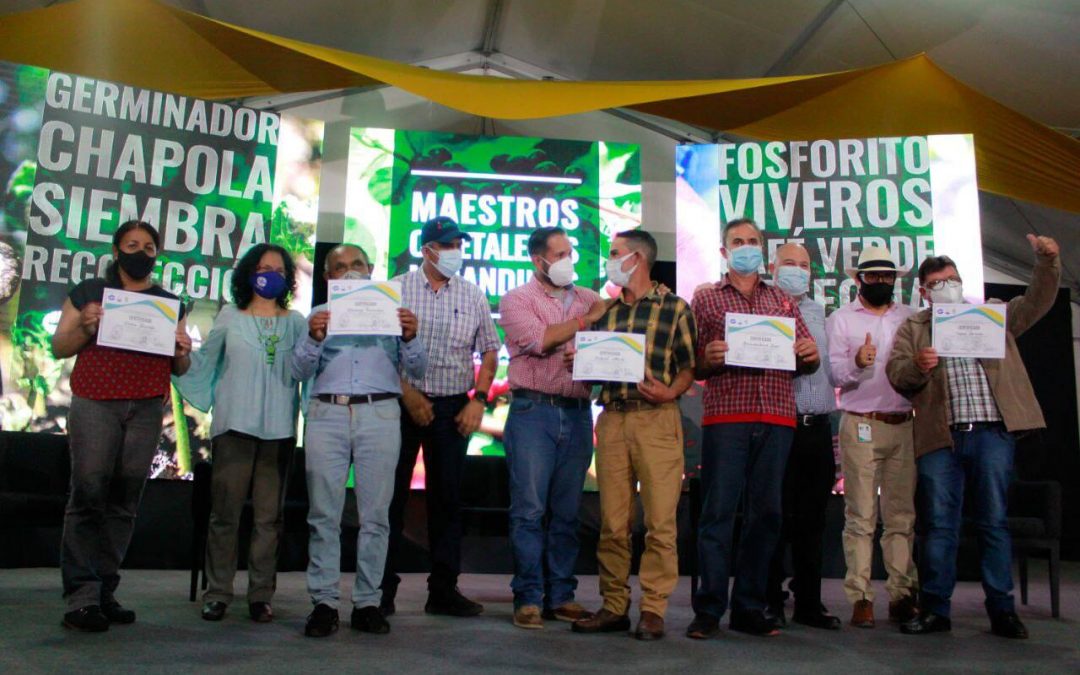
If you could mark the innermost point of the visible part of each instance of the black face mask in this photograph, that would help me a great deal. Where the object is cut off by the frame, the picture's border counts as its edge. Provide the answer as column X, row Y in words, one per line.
column 137, row 265
column 876, row 295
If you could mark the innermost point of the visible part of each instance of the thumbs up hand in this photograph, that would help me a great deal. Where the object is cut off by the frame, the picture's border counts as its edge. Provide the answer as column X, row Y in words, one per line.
column 866, row 354
column 1043, row 245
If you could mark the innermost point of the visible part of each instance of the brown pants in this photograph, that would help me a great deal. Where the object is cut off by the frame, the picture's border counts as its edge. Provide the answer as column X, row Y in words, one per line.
column 885, row 462
column 643, row 446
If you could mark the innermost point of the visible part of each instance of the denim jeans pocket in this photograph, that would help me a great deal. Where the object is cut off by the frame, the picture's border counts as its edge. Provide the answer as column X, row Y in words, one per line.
column 522, row 406
column 387, row 410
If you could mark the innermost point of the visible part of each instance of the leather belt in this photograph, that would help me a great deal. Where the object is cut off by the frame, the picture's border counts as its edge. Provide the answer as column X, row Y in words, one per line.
column 965, row 427
column 345, row 399
column 811, row 420
column 887, row 418
column 629, row 405
column 551, row 399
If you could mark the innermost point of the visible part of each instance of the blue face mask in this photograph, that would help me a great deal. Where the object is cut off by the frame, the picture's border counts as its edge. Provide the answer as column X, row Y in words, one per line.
column 269, row 285
column 745, row 259
column 794, row 281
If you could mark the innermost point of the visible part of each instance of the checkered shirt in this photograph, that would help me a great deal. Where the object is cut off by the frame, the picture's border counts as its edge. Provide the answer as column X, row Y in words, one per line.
column 970, row 397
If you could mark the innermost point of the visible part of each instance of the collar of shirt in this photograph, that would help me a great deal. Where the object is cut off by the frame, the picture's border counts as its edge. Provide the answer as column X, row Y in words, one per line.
column 652, row 296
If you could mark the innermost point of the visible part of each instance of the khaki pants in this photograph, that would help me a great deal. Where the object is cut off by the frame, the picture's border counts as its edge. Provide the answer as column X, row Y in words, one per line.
column 645, row 446
column 885, row 462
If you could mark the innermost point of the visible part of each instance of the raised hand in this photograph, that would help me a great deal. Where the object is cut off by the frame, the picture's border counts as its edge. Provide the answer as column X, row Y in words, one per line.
column 409, row 324
column 317, row 325
column 1044, row 245
column 866, row 354
column 90, row 317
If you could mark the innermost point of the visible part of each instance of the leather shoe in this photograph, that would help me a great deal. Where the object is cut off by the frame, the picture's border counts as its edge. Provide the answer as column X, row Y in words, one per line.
column 777, row 615
column 650, row 626
column 903, row 610
column 451, row 603
column 117, row 613
column 602, row 622
column 703, row 627
column 862, row 614
column 753, row 623
column 261, row 612
column 214, row 610
column 816, row 619
column 322, row 621
column 925, row 624
column 369, row 620
column 528, row 616
column 1008, row 625
column 568, row 611
column 87, row 619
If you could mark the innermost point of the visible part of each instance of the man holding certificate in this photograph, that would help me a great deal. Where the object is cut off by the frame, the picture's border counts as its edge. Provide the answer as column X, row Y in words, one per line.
column 966, row 412
column 354, row 418
column 748, row 425
column 548, row 432
column 639, row 438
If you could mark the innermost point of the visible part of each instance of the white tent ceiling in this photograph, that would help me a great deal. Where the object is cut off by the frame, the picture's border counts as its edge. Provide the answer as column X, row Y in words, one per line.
column 1024, row 53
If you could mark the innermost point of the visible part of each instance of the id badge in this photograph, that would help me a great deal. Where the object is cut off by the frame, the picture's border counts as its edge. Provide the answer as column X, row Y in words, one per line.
column 865, row 435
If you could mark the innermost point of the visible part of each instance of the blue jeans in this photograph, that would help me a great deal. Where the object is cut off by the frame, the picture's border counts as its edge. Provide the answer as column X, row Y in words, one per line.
column 980, row 462
column 368, row 435
column 548, row 451
column 737, row 459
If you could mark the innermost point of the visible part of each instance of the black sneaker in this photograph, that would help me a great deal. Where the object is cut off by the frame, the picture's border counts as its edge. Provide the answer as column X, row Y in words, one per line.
column 116, row 613
column 777, row 615
column 703, row 627
column 1008, row 625
column 88, row 619
column 322, row 621
column 369, row 620
column 451, row 603
column 754, row 623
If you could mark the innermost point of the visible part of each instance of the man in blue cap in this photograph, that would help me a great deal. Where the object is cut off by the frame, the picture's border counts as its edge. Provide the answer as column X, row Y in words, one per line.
column 455, row 325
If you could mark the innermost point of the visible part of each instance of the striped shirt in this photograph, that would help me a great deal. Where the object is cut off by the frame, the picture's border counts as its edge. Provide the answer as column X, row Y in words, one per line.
column 670, row 333
column 455, row 323
column 525, row 313
column 970, row 397
column 735, row 394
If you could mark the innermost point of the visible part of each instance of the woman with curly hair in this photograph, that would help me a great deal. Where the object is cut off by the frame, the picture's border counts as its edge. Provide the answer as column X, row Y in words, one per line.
column 242, row 373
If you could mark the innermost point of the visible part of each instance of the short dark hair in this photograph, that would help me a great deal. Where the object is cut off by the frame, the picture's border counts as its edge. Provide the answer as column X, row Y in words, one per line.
column 112, row 272
column 641, row 240
column 538, row 240
column 934, row 263
column 242, row 291
column 326, row 260
column 738, row 222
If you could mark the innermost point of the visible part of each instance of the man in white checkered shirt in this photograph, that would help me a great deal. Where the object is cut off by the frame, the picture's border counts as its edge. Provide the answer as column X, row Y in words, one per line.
column 455, row 324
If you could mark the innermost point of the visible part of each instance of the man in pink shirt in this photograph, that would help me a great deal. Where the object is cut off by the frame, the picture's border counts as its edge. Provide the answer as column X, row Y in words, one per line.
column 876, row 443
column 548, row 433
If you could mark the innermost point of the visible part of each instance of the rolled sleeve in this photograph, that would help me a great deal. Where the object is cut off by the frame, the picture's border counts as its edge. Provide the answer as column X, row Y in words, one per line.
column 524, row 329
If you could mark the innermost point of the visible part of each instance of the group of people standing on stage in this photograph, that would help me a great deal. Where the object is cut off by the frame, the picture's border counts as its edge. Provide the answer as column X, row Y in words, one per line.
column 917, row 431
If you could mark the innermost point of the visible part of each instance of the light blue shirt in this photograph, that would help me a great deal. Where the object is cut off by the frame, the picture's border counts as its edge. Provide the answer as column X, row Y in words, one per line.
column 814, row 393
column 357, row 364
column 230, row 374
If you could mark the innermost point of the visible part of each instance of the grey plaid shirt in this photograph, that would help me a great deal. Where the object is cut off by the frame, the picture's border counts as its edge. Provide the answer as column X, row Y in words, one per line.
column 970, row 397
column 455, row 323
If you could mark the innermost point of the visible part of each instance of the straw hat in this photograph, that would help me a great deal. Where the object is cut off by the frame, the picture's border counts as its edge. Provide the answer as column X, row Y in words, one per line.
column 873, row 259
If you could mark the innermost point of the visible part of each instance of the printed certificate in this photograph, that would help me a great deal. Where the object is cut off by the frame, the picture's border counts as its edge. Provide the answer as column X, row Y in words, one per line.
column 362, row 307
column 757, row 341
column 609, row 357
column 139, row 322
column 969, row 331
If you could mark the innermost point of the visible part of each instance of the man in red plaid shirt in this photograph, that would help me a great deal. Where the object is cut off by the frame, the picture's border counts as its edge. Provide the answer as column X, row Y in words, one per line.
column 749, row 422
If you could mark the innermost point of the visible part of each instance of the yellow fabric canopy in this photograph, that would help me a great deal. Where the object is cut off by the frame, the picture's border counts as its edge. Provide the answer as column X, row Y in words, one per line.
column 153, row 45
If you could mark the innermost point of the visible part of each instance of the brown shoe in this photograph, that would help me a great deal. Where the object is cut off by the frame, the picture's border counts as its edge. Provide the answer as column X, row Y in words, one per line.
column 602, row 622
column 862, row 616
column 570, row 611
column 528, row 616
column 650, row 626
column 903, row 610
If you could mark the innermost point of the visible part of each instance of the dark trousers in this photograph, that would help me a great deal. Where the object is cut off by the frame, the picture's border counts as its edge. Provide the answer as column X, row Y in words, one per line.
column 244, row 464
column 808, row 482
column 444, row 462
column 738, row 459
column 980, row 464
column 112, row 446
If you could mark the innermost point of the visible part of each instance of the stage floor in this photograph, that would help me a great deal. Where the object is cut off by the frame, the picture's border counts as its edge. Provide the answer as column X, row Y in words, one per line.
column 170, row 637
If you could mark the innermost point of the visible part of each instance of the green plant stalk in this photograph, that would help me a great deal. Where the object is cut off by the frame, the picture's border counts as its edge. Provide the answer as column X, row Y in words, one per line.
column 183, row 442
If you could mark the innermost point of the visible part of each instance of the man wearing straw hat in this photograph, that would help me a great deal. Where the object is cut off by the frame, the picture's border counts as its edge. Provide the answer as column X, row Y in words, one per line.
column 876, row 444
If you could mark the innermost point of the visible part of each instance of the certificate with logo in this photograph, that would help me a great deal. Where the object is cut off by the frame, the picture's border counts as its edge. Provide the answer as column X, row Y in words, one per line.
column 139, row 322
column 604, row 356
column 969, row 331
column 756, row 341
column 363, row 307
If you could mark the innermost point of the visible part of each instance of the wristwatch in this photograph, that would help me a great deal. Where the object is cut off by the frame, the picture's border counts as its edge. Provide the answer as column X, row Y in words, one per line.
column 481, row 396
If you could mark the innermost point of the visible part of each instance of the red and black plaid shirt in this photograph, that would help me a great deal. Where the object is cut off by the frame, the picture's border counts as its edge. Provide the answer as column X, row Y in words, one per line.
column 735, row 394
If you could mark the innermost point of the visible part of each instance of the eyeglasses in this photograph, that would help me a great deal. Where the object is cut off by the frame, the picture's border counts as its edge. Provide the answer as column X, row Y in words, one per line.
column 879, row 277
column 951, row 282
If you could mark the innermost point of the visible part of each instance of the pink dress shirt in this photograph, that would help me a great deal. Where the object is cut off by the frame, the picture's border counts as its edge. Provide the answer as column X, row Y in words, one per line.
column 865, row 390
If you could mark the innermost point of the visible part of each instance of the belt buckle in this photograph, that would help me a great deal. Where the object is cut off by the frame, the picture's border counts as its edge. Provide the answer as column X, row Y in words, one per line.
column 341, row 399
column 964, row 427
column 806, row 420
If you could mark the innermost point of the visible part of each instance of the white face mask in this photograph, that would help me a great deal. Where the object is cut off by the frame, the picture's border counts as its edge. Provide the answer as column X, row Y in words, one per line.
column 952, row 293
column 449, row 262
column 615, row 273
column 561, row 272
column 353, row 275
